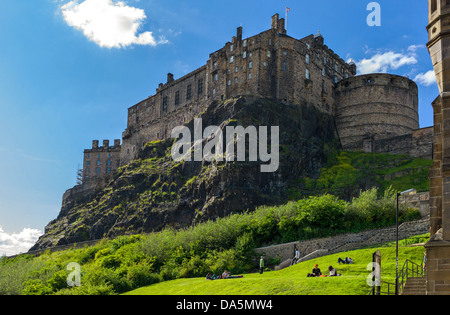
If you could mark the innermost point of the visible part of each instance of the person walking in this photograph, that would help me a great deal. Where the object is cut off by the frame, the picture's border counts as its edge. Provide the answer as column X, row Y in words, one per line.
column 261, row 265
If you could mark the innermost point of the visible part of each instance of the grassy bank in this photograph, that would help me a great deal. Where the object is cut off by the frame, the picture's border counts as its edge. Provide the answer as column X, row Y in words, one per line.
column 293, row 280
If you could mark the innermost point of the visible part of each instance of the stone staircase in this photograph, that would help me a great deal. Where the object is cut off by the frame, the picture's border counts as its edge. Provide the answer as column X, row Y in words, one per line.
column 415, row 286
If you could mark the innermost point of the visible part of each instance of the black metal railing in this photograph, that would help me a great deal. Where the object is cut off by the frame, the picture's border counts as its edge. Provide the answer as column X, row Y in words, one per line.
column 410, row 270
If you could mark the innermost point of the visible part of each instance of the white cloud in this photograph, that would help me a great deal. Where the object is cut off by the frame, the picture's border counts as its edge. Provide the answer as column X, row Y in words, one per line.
column 383, row 62
column 109, row 23
column 426, row 79
column 13, row 244
column 413, row 48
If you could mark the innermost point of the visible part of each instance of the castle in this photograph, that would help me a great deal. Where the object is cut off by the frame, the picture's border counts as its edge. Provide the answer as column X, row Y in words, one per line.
column 373, row 113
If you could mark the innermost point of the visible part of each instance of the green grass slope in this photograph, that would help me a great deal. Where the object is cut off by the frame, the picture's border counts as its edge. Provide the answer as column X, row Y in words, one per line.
column 293, row 280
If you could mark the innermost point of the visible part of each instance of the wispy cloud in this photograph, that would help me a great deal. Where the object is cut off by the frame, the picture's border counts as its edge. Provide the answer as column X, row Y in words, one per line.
column 427, row 79
column 39, row 159
column 20, row 154
column 16, row 243
column 387, row 60
column 108, row 23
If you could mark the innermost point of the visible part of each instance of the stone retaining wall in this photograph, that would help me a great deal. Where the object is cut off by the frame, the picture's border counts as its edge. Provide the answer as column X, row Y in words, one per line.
column 345, row 242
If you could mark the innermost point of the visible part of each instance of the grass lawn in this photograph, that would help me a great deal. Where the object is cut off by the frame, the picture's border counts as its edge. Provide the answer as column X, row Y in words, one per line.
column 293, row 280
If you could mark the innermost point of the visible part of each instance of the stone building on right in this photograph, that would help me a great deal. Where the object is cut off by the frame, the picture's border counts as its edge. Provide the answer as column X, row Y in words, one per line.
column 438, row 247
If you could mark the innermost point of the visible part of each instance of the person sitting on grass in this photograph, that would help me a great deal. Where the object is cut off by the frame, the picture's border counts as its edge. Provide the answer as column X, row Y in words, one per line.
column 315, row 272
column 333, row 272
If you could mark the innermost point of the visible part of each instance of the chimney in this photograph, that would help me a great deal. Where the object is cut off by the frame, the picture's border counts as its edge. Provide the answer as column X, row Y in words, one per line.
column 94, row 144
column 106, row 144
column 275, row 19
column 170, row 78
column 278, row 24
column 282, row 26
column 239, row 34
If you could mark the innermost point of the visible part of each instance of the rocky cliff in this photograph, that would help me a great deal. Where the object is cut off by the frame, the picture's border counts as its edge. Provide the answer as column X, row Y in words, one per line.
column 155, row 192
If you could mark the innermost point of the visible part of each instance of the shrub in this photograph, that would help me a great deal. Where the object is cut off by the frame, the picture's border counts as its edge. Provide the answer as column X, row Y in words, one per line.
column 35, row 287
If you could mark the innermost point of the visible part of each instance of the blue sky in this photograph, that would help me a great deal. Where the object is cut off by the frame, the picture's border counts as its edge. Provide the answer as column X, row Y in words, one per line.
column 70, row 69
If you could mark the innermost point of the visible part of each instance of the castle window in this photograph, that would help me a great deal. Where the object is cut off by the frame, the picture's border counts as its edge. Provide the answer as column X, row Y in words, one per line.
column 108, row 162
column 236, row 80
column 98, row 162
column 284, row 66
column 231, row 59
column 250, row 55
column 229, row 82
column 250, row 75
column 165, row 102
column 88, row 163
column 433, row 5
column 284, row 52
column 108, row 170
column 232, row 48
column 98, row 170
column 214, row 91
column 346, row 75
column 323, row 72
column 308, row 46
column 250, row 65
column 236, row 69
column 324, row 60
column 200, row 87
column 245, row 43
column 307, row 59
column 265, row 64
column 88, row 156
column 109, row 155
column 216, row 77
column 177, row 98
column 335, row 79
column 269, row 54
column 244, row 55
column 307, row 74
column 189, row 92
column 270, row 41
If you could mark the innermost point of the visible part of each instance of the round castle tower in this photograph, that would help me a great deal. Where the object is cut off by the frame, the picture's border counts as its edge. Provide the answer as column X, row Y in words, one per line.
column 375, row 106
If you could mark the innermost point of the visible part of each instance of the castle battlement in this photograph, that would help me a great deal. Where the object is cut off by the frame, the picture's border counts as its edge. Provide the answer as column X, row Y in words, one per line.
column 101, row 160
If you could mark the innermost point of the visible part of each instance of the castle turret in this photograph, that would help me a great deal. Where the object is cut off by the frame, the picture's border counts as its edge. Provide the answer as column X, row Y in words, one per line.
column 375, row 106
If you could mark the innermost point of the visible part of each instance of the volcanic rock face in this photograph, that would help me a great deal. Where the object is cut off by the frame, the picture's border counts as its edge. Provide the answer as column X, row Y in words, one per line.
column 155, row 192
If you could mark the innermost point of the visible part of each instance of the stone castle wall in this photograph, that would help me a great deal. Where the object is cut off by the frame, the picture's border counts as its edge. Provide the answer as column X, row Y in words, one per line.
column 375, row 106
column 101, row 160
column 269, row 65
